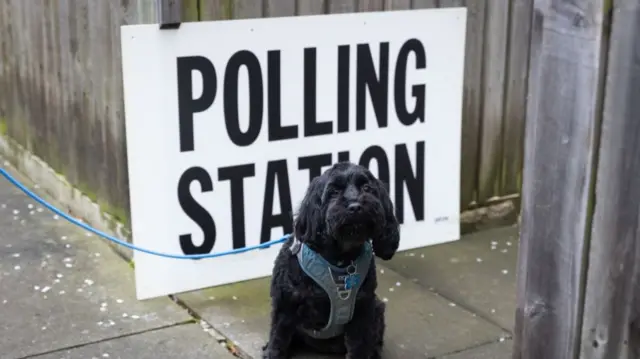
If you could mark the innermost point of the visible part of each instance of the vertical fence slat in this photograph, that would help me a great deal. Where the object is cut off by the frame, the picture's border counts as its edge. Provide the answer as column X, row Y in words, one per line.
column 4, row 63
column 18, row 40
column 76, row 73
column 515, row 96
column 277, row 8
column 216, row 10
column 52, row 94
column 142, row 12
column 85, row 140
column 452, row 3
column 245, row 9
column 46, row 33
column 190, row 10
column 29, row 124
column 423, row 4
column 610, row 307
column 370, row 5
column 14, row 75
column 312, row 7
column 472, row 101
column 66, row 70
column 342, row 6
column 114, row 118
column 91, row 137
column 397, row 4
column 495, row 47
column 561, row 142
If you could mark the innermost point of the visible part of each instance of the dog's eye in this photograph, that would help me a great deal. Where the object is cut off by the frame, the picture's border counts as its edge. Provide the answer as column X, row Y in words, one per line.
column 366, row 187
column 333, row 192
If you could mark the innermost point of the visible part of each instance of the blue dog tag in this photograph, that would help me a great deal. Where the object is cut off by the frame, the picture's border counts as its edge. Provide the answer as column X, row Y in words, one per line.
column 351, row 281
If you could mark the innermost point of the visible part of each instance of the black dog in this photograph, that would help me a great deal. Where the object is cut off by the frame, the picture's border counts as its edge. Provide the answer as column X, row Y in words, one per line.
column 345, row 215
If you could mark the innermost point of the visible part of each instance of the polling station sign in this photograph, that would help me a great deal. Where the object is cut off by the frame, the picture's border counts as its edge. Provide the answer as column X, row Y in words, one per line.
column 228, row 121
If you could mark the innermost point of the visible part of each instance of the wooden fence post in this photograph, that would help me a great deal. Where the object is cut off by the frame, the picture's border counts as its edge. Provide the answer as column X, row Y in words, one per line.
column 561, row 142
column 610, row 305
column 169, row 13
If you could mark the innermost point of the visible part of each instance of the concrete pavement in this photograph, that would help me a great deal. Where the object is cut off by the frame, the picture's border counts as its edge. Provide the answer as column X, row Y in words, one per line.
column 64, row 294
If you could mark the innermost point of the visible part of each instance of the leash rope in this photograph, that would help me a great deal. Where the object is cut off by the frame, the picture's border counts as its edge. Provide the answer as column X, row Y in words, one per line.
column 110, row 238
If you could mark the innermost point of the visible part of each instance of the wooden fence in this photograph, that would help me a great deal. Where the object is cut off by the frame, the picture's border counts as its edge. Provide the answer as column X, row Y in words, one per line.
column 579, row 263
column 61, row 84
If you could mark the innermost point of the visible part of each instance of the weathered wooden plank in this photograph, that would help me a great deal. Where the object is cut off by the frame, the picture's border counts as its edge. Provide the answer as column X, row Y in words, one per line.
column 51, row 94
column 30, row 100
column 472, row 101
column 560, row 150
column 277, row 8
column 66, row 43
column 397, row 4
column 190, row 10
column 98, row 13
column 610, row 306
column 342, row 6
column 10, row 77
column 6, row 53
column 216, row 10
column 312, row 7
column 248, row 9
column 4, row 65
column 493, row 104
column 169, row 12
column 515, row 96
column 117, row 155
column 452, row 3
column 75, row 141
column 423, row 4
column 45, row 62
column 57, row 93
column 18, row 122
column 371, row 5
column 141, row 12
column 85, row 119
column 29, row 65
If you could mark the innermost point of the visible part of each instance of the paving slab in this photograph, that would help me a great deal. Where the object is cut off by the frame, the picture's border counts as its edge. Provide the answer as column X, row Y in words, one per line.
column 61, row 288
column 419, row 323
column 182, row 341
column 477, row 272
column 499, row 350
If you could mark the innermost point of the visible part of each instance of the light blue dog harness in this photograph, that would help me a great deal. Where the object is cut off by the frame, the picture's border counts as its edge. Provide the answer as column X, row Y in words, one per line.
column 340, row 284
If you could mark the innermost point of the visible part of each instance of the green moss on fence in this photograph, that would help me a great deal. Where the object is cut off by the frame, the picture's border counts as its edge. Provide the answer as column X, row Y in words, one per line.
column 118, row 213
column 227, row 9
column 3, row 126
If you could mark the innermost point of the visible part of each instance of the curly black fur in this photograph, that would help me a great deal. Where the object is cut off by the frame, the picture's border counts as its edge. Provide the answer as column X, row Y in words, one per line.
column 342, row 208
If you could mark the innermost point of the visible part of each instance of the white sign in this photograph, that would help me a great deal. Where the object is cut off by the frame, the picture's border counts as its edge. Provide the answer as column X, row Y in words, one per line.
column 227, row 122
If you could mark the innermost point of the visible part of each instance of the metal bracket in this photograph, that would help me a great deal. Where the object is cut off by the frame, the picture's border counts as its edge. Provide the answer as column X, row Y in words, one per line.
column 169, row 14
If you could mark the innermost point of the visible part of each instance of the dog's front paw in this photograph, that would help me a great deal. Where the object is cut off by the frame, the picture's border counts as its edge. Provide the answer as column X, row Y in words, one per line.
column 268, row 353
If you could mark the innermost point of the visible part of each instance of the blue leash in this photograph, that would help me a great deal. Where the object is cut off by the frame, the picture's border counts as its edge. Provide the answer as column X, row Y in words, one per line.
column 88, row 228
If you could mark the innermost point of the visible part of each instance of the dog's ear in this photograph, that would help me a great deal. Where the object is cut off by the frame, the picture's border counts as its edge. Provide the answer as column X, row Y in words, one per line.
column 387, row 244
column 310, row 218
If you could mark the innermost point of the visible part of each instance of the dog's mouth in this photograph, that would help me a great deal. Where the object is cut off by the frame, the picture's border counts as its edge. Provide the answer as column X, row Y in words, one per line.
column 356, row 233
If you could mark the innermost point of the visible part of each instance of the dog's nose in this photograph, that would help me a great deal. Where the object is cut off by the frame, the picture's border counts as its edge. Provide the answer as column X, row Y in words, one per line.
column 354, row 207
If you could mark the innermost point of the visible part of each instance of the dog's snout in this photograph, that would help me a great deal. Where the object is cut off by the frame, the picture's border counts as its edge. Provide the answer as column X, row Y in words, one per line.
column 354, row 207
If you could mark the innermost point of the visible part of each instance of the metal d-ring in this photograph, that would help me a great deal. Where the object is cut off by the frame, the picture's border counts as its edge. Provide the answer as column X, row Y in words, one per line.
column 352, row 269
